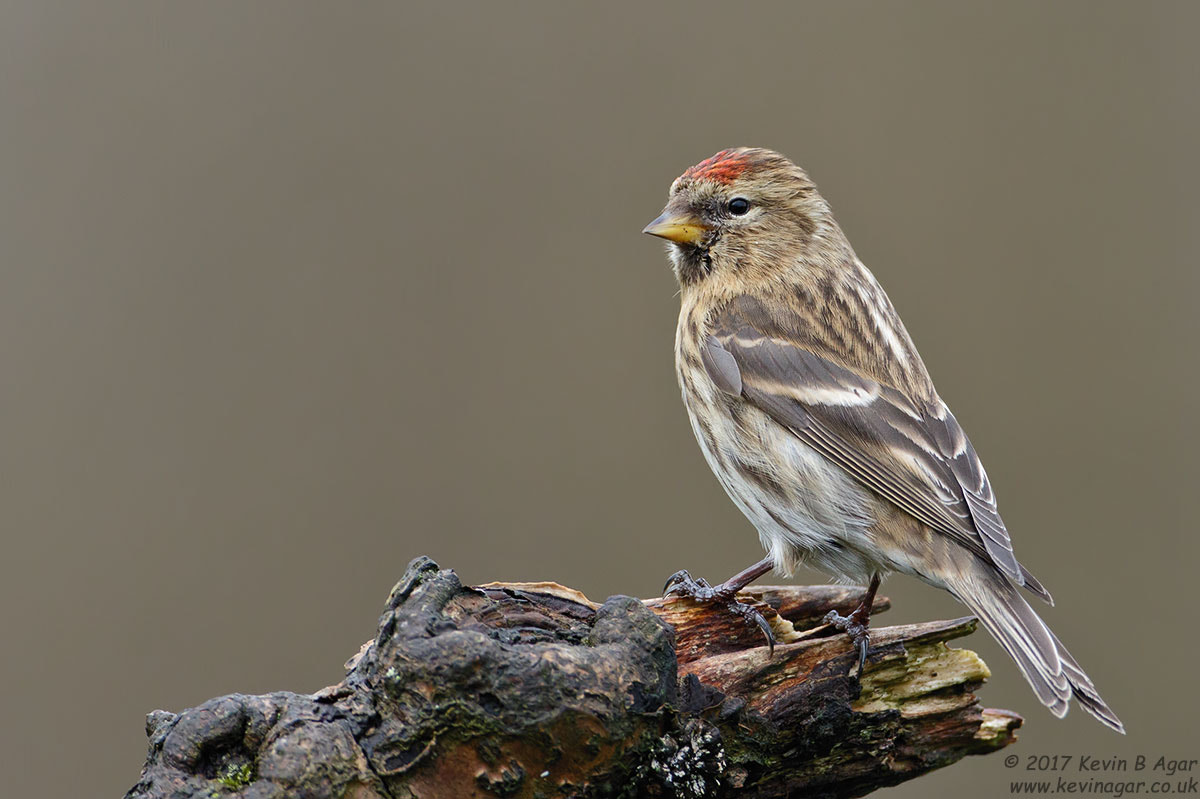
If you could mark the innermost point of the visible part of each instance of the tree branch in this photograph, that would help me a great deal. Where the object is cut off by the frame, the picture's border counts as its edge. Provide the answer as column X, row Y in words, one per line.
column 532, row 690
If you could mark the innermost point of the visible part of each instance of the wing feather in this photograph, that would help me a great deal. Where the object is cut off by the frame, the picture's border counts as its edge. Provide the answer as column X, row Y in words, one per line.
column 911, row 451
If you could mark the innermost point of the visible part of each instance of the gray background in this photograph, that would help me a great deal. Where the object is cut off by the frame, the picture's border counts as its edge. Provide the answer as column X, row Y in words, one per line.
column 292, row 293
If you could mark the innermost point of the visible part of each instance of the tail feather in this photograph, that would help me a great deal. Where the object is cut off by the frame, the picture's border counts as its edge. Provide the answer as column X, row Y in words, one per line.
column 1086, row 693
column 1050, row 669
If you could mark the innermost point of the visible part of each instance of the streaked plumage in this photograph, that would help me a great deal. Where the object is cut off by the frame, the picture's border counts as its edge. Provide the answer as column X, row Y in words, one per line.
column 816, row 413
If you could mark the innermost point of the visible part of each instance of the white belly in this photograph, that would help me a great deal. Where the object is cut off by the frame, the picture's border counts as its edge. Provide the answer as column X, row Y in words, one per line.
column 807, row 510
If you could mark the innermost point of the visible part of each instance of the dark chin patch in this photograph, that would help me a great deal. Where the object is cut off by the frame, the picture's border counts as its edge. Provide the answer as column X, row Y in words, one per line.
column 695, row 263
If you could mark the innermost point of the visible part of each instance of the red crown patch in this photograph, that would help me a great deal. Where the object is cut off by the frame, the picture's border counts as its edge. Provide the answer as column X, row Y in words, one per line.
column 724, row 167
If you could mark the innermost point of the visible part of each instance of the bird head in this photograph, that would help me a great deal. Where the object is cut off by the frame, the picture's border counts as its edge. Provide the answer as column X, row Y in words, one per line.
column 739, row 215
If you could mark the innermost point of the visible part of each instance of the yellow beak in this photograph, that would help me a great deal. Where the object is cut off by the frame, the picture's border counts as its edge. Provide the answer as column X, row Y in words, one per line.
column 679, row 228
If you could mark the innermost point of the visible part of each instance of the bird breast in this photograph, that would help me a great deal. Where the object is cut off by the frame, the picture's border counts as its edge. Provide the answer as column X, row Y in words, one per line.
column 803, row 506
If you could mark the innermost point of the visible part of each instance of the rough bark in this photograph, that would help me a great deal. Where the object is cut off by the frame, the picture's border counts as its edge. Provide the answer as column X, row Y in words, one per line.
column 532, row 690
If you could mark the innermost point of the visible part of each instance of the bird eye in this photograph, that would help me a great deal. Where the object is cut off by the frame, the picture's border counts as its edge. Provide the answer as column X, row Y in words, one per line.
column 739, row 206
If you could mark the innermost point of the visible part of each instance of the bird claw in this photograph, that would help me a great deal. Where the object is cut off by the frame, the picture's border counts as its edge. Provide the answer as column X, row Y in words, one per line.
column 860, row 633
column 684, row 585
column 752, row 615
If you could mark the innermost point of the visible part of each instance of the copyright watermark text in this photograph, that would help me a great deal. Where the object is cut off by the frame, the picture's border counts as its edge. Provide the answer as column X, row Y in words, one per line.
column 1109, row 775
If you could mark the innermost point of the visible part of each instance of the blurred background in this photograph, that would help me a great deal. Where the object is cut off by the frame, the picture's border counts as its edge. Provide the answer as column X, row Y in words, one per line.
column 291, row 293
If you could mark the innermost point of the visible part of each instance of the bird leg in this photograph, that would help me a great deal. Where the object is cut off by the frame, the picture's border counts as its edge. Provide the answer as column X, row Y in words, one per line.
column 857, row 624
column 683, row 584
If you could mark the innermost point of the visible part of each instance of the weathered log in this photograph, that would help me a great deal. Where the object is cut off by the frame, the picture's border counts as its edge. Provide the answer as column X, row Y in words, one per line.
column 532, row 690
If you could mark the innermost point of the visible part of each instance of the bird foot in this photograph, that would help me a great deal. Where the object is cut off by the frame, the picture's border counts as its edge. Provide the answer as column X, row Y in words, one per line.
column 683, row 584
column 856, row 625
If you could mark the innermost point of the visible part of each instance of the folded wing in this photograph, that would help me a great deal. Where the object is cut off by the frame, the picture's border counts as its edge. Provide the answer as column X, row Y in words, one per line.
column 910, row 451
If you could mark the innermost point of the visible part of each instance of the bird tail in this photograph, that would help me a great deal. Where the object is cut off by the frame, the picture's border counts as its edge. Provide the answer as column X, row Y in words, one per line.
column 1054, row 674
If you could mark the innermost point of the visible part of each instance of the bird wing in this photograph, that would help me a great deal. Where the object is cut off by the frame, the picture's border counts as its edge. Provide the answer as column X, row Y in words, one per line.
column 911, row 451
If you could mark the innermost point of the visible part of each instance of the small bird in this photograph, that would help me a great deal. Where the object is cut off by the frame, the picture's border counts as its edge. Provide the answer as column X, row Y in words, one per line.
column 819, row 418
